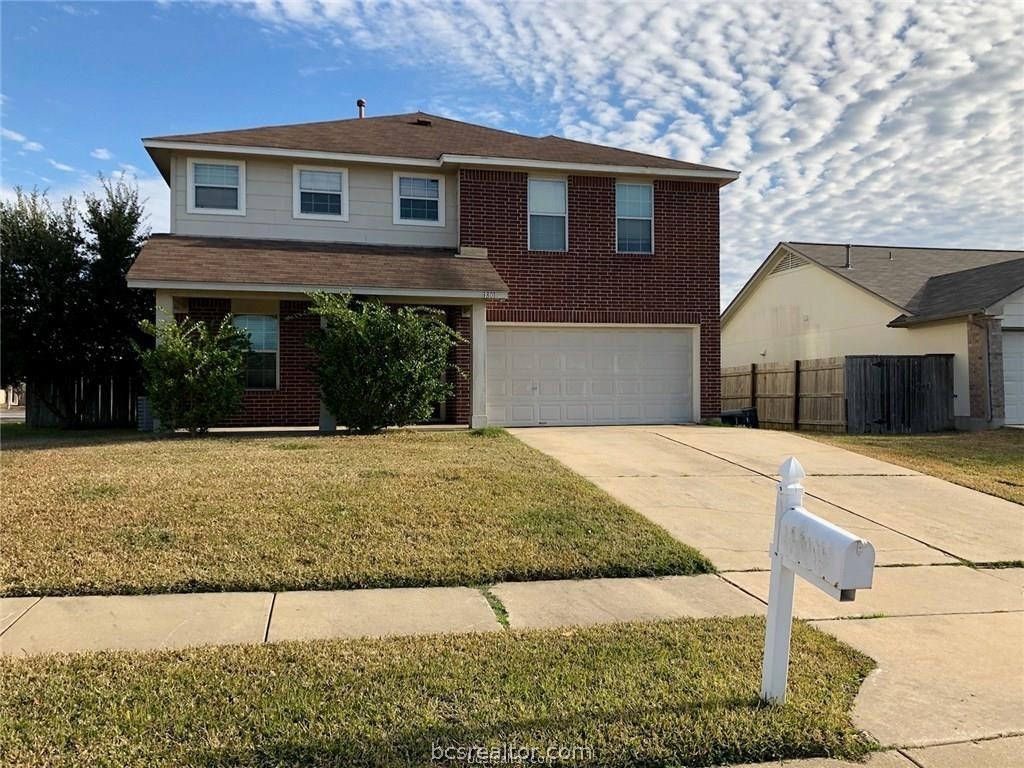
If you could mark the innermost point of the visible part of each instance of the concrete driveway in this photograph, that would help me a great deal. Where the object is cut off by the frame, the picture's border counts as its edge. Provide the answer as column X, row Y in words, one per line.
column 949, row 638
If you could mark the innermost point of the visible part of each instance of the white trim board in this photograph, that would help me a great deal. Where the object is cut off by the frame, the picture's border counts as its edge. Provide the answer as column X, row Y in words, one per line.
column 184, row 285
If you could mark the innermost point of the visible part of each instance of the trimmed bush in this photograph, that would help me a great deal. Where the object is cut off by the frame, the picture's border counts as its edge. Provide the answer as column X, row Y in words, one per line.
column 194, row 374
column 380, row 366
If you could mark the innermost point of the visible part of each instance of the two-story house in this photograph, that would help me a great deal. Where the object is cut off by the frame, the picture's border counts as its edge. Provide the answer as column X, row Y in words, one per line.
column 583, row 278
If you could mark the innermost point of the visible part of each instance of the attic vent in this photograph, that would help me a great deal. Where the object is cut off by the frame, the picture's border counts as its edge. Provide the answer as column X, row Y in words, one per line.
column 423, row 121
column 789, row 261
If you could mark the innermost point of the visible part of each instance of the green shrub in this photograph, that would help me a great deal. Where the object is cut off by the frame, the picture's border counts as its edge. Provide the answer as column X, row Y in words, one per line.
column 194, row 375
column 380, row 366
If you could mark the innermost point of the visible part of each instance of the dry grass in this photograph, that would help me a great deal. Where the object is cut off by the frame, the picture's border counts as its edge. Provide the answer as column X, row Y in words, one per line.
column 124, row 513
column 671, row 693
column 991, row 462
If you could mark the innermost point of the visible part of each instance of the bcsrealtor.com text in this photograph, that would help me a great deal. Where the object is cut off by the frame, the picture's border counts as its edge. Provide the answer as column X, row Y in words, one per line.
column 507, row 753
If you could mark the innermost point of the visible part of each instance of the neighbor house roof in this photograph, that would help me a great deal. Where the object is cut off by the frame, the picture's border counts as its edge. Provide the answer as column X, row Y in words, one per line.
column 922, row 283
column 432, row 139
column 220, row 263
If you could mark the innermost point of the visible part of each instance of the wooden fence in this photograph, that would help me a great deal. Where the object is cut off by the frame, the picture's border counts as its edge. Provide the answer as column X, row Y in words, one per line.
column 90, row 401
column 797, row 395
column 856, row 394
column 899, row 394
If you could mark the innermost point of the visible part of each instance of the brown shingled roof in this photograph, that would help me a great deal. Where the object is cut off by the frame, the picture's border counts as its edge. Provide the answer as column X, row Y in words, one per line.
column 423, row 136
column 272, row 264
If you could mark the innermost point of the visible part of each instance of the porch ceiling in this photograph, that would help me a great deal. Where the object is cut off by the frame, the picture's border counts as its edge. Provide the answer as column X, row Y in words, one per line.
column 220, row 263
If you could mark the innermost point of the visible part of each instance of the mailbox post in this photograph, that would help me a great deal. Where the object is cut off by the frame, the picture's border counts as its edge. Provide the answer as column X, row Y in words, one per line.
column 832, row 559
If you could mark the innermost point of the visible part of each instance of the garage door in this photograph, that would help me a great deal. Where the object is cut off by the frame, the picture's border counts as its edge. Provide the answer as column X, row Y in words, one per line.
column 546, row 375
column 1013, row 376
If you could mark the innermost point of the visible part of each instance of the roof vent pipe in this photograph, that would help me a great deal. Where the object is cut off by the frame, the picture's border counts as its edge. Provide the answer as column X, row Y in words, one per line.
column 361, row 104
column 849, row 264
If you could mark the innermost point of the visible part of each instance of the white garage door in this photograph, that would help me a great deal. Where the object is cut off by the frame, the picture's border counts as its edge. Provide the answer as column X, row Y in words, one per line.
column 1013, row 376
column 539, row 375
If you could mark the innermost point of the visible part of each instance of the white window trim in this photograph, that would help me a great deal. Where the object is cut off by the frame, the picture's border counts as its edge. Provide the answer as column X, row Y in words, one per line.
column 396, row 199
column 633, row 218
column 190, row 195
column 529, row 212
column 297, row 193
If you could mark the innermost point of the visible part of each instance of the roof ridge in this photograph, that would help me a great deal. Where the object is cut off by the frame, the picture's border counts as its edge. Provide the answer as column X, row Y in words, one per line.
column 901, row 247
column 295, row 125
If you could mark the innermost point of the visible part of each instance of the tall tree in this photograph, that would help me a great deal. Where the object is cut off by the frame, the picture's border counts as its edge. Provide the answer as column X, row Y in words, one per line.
column 115, row 232
column 65, row 310
column 43, row 312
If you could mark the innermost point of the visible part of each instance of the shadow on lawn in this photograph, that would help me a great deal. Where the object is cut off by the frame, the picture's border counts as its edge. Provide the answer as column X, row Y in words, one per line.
column 413, row 746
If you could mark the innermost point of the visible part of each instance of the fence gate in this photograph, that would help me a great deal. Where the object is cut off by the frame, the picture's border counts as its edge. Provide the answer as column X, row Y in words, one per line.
column 899, row 394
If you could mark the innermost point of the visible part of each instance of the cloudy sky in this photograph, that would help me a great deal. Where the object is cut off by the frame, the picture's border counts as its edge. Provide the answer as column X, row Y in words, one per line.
column 894, row 122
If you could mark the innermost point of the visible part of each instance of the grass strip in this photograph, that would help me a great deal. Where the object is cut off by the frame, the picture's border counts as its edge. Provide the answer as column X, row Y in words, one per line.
column 682, row 692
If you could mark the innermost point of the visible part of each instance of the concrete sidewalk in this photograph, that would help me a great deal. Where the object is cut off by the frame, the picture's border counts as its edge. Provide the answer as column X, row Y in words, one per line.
column 30, row 625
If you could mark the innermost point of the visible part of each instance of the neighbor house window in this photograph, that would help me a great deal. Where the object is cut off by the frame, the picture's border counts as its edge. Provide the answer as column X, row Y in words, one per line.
column 548, row 220
column 634, row 218
column 216, row 187
column 419, row 199
column 261, row 364
column 320, row 193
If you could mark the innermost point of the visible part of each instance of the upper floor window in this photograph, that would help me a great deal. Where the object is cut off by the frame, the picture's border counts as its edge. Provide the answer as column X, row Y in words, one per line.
column 216, row 187
column 261, row 363
column 419, row 199
column 320, row 193
column 549, row 224
column 634, row 218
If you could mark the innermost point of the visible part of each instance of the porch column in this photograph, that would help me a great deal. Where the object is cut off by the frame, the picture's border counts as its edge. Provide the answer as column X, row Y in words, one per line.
column 478, row 374
column 328, row 423
column 163, row 312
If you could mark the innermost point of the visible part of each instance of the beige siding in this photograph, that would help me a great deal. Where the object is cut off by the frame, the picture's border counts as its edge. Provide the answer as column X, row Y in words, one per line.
column 807, row 313
column 1011, row 309
column 269, row 208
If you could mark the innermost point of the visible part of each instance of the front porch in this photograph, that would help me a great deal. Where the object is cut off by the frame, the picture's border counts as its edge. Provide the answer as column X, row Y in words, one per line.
column 292, row 399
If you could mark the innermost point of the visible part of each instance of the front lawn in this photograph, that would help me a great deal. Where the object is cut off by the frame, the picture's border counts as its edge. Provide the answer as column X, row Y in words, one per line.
column 126, row 513
column 671, row 693
column 991, row 462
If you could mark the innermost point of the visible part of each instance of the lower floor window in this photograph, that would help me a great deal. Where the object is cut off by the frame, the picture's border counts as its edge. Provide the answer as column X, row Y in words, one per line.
column 261, row 364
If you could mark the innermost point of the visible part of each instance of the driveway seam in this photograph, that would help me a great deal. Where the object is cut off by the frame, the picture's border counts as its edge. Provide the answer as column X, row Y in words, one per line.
column 22, row 615
column 820, row 498
column 742, row 589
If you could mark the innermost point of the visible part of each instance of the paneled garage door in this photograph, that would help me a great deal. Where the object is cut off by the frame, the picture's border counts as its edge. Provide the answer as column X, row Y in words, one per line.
column 546, row 375
column 1013, row 376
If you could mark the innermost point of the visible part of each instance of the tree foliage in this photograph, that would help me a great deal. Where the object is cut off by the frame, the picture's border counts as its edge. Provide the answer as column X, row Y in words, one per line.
column 66, row 310
column 194, row 374
column 380, row 366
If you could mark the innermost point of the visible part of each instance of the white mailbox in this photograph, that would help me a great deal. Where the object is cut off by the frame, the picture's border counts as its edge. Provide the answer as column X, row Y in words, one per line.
column 833, row 560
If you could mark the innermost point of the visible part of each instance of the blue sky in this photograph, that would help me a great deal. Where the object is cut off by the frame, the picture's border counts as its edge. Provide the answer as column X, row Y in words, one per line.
column 892, row 123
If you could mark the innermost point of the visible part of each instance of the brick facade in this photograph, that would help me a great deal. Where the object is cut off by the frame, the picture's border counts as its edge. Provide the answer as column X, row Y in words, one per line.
column 591, row 283
column 985, row 369
column 296, row 402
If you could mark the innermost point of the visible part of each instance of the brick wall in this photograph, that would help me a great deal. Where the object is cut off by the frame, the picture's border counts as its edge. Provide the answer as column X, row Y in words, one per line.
column 985, row 368
column 296, row 402
column 590, row 283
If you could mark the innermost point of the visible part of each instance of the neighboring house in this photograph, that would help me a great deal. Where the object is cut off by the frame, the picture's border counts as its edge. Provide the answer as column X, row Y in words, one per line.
column 584, row 278
column 814, row 300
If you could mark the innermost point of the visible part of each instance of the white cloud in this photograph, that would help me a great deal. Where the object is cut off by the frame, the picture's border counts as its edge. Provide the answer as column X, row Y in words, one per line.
column 865, row 121
column 152, row 190
column 30, row 146
column 101, row 153
column 60, row 166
